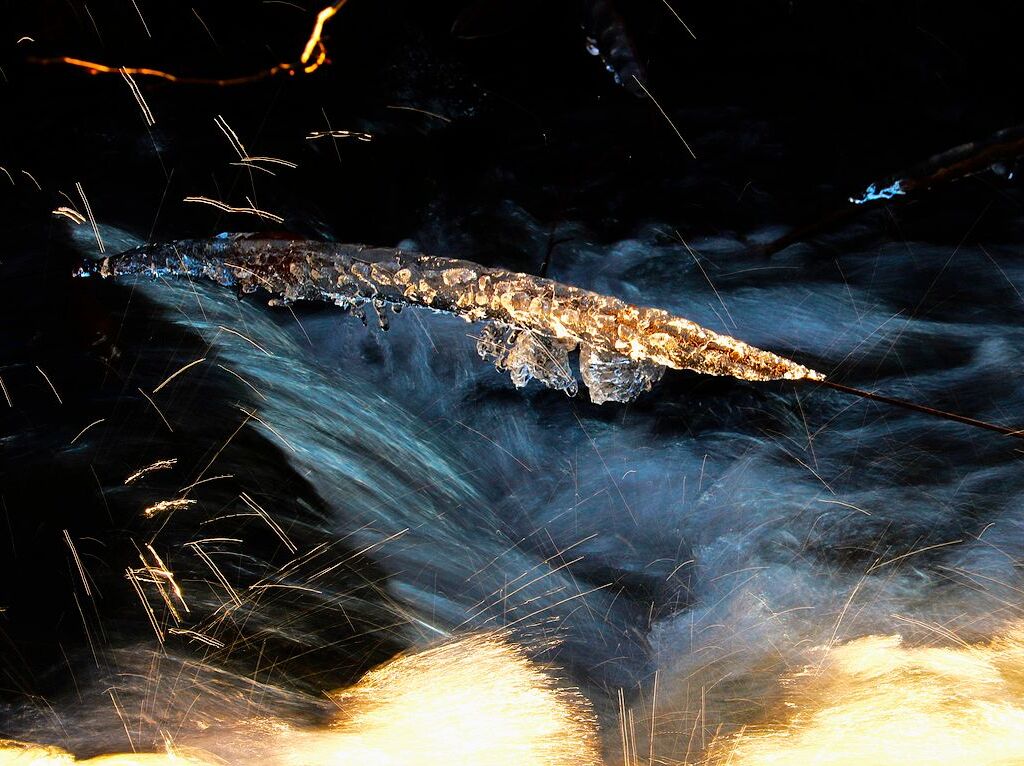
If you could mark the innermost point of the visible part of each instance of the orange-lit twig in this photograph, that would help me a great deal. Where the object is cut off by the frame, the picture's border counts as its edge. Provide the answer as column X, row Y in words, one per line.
column 314, row 39
column 314, row 55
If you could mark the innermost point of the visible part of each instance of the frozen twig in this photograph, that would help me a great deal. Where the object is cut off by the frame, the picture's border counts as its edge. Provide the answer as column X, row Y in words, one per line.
column 537, row 321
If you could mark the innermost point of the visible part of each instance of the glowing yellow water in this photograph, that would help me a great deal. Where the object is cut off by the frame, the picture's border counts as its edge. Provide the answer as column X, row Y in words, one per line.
column 474, row 701
column 874, row 702
column 870, row 702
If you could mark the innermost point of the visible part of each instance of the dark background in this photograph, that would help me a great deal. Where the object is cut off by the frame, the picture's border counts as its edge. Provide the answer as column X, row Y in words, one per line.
column 790, row 107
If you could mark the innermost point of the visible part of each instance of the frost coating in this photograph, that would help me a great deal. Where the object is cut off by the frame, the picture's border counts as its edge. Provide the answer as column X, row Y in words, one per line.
column 623, row 346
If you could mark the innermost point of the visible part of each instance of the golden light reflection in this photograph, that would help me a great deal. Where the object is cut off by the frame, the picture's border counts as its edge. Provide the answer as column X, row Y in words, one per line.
column 314, row 55
column 871, row 702
column 21, row 754
column 473, row 701
column 876, row 702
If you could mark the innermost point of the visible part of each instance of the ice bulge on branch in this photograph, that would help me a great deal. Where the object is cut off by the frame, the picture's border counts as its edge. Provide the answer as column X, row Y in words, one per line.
column 537, row 321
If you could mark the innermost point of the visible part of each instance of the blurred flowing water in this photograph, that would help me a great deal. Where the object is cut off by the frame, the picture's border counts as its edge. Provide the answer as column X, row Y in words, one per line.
column 692, row 550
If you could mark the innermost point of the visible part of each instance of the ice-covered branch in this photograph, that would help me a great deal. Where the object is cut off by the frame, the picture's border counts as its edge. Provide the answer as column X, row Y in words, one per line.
column 536, row 321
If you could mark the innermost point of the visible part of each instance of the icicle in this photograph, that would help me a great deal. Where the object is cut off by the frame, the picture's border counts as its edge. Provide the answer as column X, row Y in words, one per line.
column 527, row 355
column 616, row 378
